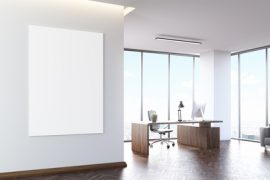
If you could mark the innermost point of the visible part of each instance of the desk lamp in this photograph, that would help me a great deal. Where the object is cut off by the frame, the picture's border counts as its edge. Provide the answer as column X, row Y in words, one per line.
column 181, row 105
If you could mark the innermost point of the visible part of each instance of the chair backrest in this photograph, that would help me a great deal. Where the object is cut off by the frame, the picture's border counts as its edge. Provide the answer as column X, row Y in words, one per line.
column 153, row 127
column 150, row 113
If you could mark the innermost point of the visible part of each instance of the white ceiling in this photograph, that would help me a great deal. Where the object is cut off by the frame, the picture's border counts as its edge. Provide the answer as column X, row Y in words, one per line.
column 230, row 25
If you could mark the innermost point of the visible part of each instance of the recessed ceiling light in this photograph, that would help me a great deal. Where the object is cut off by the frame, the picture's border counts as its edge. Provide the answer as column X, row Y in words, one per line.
column 178, row 39
column 128, row 10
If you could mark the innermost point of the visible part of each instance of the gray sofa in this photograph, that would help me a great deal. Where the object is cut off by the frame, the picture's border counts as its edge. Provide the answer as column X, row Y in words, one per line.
column 265, row 136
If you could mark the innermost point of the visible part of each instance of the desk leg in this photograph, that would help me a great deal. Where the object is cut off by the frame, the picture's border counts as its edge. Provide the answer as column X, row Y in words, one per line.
column 140, row 141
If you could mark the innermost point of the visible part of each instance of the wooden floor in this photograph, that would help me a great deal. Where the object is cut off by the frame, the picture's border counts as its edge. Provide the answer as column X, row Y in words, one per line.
column 234, row 160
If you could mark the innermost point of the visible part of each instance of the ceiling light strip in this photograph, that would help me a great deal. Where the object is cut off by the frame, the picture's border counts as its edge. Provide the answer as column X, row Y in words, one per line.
column 179, row 40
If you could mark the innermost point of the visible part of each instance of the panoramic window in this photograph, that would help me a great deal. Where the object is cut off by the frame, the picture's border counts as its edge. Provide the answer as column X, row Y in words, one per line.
column 249, row 111
column 253, row 89
column 181, row 87
column 155, row 86
column 165, row 82
column 132, row 90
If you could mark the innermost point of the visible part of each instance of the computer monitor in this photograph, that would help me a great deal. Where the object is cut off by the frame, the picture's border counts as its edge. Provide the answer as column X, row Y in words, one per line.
column 198, row 110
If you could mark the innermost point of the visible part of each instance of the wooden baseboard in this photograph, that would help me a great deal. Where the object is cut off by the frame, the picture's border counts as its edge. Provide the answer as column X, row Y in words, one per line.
column 61, row 170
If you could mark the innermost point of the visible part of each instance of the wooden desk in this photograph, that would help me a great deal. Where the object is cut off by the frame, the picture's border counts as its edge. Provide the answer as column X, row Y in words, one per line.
column 202, row 136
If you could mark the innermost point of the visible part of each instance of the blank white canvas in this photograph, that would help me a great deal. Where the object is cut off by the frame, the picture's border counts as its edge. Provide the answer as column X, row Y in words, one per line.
column 65, row 81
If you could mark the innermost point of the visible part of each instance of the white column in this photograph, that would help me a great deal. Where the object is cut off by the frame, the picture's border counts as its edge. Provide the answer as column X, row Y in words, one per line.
column 215, row 87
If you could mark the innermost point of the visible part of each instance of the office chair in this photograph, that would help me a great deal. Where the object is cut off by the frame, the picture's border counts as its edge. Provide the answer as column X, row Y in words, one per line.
column 161, row 131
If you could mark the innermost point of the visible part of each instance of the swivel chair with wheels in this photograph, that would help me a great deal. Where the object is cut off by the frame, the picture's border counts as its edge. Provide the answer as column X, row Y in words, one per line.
column 156, row 128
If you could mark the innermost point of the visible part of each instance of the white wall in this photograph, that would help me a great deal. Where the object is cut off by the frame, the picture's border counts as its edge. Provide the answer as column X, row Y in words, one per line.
column 207, row 83
column 222, row 88
column 215, row 88
column 18, row 150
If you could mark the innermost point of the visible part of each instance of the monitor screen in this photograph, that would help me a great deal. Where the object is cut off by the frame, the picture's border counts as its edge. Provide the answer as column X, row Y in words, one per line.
column 198, row 110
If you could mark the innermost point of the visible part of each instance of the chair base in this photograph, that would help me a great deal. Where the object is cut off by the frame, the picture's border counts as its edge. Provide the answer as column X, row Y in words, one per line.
column 167, row 141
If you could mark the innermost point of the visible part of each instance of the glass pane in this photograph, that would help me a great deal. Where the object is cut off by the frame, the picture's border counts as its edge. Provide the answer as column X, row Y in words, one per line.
column 132, row 90
column 181, row 74
column 155, row 86
column 234, row 97
column 252, row 93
